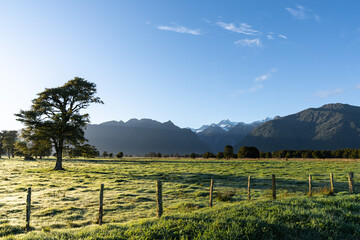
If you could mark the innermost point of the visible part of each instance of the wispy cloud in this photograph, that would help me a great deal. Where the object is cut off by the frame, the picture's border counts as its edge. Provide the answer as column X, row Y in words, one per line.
column 357, row 86
column 257, row 86
column 282, row 36
column 242, row 28
column 248, row 42
column 265, row 76
column 270, row 37
column 180, row 29
column 252, row 89
column 300, row 12
column 327, row 93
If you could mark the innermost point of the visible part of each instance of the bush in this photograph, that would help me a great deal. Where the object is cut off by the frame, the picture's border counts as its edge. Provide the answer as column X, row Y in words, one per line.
column 225, row 195
column 248, row 152
column 120, row 155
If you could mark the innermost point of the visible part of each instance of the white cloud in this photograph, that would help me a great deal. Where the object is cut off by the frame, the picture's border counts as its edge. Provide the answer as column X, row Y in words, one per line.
column 302, row 13
column 205, row 20
column 257, row 85
column 252, row 89
column 265, row 76
column 249, row 42
column 270, row 37
column 299, row 13
column 282, row 36
column 327, row 93
column 180, row 29
column 242, row 28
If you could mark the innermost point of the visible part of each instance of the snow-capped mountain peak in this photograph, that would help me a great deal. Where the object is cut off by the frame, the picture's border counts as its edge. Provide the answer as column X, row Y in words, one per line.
column 226, row 124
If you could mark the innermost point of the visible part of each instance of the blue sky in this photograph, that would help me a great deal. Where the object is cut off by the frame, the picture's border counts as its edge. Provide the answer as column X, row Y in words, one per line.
column 191, row 62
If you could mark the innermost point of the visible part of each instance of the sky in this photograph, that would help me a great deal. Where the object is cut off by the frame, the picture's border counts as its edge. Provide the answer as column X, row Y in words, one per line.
column 191, row 62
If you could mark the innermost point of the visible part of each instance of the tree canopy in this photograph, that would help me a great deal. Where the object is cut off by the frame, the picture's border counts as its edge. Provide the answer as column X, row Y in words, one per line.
column 55, row 115
column 248, row 152
column 228, row 152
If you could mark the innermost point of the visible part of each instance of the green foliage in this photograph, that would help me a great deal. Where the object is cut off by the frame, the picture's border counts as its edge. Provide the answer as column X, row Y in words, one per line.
column 220, row 155
column 208, row 155
column 8, row 140
column 193, row 155
column 89, row 151
column 86, row 151
column 225, row 196
column 151, row 155
column 317, row 154
column 228, row 152
column 119, row 154
column 55, row 115
column 248, row 152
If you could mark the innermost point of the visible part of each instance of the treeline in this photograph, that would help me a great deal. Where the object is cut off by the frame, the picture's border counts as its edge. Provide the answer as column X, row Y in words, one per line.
column 253, row 152
column 341, row 153
column 13, row 144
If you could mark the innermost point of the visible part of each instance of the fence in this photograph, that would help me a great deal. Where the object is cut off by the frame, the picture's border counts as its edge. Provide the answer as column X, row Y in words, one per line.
column 159, row 195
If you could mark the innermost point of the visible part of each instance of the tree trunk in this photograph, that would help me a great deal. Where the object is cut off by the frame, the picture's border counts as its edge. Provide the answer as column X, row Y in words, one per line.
column 59, row 150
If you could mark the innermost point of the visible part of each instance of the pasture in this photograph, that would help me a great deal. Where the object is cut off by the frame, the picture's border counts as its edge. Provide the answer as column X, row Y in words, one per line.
column 69, row 199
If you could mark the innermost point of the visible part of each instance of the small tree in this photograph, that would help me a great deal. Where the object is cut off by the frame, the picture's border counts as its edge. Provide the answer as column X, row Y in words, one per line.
column 220, row 155
column 228, row 152
column 159, row 155
column 9, row 141
column 105, row 154
column 120, row 155
column 248, row 152
column 89, row 151
column 55, row 115
column 193, row 155
column 111, row 155
column 2, row 135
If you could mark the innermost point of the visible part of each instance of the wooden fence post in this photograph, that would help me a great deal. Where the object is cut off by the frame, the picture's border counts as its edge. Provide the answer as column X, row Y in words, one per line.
column 211, row 192
column 28, row 209
column 351, row 183
column 159, row 198
column 248, row 190
column 331, row 182
column 101, row 210
column 273, row 187
column 310, row 186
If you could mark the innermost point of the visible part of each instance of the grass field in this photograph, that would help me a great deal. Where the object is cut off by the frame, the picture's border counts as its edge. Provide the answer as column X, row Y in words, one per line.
column 68, row 200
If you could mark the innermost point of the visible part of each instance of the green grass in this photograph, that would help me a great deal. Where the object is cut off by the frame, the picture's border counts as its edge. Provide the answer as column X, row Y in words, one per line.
column 66, row 202
column 320, row 217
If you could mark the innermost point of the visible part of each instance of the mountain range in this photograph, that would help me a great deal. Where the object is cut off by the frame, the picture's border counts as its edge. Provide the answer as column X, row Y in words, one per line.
column 332, row 126
column 138, row 137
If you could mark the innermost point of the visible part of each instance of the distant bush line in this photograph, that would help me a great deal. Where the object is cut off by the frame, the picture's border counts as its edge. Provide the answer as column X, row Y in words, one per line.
column 253, row 152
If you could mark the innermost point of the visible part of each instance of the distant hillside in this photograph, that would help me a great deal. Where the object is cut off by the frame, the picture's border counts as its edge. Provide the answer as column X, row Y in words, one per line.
column 143, row 136
column 330, row 127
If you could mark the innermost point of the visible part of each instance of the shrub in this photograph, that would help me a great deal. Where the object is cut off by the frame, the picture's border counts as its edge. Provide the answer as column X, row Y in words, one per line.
column 225, row 196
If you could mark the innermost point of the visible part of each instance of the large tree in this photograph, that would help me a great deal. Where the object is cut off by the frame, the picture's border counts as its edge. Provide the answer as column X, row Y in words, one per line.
column 55, row 115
